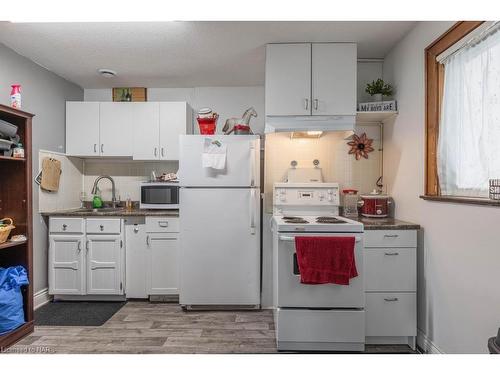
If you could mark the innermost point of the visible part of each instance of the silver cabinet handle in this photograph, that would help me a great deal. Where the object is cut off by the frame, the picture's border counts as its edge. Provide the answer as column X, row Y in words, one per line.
column 102, row 148
column 163, row 224
column 316, row 104
column 95, row 148
column 101, row 227
column 79, row 246
column 391, row 235
column 136, row 230
column 162, row 152
column 148, row 242
column 391, row 299
column 391, row 254
column 306, row 103
column 87, row 245
column 64, row 226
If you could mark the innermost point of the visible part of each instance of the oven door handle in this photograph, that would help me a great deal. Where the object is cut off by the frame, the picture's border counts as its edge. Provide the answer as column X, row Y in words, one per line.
column 289, row 238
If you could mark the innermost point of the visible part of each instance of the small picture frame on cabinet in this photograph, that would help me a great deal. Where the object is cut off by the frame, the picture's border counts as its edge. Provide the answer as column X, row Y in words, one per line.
column 129, row 94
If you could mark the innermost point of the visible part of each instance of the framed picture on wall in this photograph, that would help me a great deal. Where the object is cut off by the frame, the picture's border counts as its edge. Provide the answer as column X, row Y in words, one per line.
column 129, row 94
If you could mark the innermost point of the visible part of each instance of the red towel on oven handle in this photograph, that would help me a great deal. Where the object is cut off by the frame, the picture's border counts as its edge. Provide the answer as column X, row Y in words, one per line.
column 324, row 260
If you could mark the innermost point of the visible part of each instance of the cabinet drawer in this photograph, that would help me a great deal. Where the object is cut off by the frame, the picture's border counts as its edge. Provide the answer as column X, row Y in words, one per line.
column 390, row 269
column 391, row 314
column 66, row 225
column 162, row 224
column 104, row 226
column 391, row 238
column 302, row 325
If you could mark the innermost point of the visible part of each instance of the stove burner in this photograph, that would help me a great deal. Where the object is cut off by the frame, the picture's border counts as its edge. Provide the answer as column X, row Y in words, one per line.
column 294, row 220
column 329, row 220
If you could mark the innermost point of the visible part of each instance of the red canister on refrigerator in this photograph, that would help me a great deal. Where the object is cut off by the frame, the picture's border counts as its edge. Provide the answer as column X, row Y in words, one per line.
column 374, row 205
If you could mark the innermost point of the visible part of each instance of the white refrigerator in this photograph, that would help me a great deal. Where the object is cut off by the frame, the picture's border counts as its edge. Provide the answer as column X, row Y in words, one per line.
column 220, row 222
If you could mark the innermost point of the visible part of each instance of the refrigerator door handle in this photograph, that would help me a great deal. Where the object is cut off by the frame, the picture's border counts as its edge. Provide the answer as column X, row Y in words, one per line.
column 252, row 165
column 252, row 211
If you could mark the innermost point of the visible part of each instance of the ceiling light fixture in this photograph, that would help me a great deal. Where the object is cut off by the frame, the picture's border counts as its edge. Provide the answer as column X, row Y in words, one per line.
column 108, row 73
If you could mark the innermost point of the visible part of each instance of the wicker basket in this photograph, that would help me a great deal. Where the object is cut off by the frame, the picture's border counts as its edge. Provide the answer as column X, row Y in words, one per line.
column 5, row 229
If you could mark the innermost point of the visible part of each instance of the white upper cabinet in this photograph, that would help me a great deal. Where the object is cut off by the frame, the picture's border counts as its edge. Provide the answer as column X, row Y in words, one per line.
column 288, row 79
column 146, row 131
column 142, row 130
column 116, row 123
column 175, row 119
column 334, row 67
column 305, row 79
column 82, row 128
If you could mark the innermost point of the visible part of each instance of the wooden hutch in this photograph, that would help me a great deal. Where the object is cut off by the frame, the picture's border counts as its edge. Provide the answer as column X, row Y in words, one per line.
column 16, row 203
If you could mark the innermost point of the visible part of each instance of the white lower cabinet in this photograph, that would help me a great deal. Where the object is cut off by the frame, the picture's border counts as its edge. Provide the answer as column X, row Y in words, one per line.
column 104, row 270
column 391, row 286
column 152, row 252
column 163, row 249
column 67, row 264
column 85, row 264
column 164, row 259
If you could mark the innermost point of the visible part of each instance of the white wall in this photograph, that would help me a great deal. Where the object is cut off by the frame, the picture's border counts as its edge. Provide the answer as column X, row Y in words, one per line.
column 459, row 251
column 45, row 95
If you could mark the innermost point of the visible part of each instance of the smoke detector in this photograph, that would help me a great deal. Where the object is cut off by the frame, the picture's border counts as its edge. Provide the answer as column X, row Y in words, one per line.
column 108, row 73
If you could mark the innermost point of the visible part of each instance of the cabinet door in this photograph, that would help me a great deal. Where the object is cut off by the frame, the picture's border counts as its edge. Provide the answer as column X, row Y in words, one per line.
column 104, row 270
column 334, row 67
column 163, row 264
column 136, row 259
column 66, row 264
column 116, row 121
column 82, row 128
column 146, row 131
column 175, row 119
column 288, row 79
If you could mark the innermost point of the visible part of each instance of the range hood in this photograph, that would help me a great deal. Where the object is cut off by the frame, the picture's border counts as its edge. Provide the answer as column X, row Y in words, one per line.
column 309, row 123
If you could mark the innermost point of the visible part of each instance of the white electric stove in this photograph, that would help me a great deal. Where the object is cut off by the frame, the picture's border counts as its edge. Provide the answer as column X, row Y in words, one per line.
column 325, row 317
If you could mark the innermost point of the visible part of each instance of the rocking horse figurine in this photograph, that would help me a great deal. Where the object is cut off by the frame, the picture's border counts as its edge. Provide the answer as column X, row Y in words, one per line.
column 232, row 122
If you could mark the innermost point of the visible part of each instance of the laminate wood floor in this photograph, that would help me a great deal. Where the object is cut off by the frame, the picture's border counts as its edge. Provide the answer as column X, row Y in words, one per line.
column 143, row 327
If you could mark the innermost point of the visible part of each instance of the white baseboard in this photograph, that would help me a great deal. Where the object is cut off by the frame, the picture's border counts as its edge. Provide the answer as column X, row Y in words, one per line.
column 426, row 344
column 41, row 297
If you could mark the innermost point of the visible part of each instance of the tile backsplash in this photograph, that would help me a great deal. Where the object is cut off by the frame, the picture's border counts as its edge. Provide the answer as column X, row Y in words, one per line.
column 331, row 150
column 127, row 176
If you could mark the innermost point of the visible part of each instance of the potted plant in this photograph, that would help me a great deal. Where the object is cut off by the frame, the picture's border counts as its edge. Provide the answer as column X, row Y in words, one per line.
column 377, row 89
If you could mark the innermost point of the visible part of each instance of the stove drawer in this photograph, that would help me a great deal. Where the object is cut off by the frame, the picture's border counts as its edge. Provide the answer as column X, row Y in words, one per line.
column 391, row 238
column 391, row 314
column 327, row 326
column 390, row 269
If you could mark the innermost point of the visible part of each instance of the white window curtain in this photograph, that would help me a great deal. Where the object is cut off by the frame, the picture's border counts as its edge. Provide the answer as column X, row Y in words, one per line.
column 469, row 130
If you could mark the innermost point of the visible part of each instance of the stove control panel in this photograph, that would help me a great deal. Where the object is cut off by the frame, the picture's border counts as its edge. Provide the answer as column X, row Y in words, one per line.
column 306, row 194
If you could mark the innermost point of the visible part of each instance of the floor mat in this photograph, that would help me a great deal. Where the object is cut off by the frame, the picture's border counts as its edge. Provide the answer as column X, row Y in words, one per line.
column 76, row 313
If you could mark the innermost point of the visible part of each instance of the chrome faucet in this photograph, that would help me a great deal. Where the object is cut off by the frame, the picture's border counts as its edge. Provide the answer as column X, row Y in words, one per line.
column 114, row 201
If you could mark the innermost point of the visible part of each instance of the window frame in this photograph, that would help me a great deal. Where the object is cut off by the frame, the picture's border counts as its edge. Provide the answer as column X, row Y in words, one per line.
column 434, row 83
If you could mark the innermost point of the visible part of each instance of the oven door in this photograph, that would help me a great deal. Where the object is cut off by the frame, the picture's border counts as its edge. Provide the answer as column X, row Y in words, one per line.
column 291, row 292
column 159, row 196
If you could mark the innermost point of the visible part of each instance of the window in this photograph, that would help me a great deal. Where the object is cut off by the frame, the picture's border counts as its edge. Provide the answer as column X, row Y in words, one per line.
column 468, row 152
column 463, row 112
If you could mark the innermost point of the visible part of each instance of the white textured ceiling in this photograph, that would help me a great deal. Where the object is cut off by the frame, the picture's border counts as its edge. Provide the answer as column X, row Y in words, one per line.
column 181, row 54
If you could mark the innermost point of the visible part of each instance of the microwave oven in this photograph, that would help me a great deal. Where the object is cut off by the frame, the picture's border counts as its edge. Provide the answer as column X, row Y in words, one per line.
column 159, row 195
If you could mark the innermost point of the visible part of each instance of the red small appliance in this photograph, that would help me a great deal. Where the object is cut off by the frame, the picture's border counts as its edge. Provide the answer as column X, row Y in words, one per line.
column 374, row 205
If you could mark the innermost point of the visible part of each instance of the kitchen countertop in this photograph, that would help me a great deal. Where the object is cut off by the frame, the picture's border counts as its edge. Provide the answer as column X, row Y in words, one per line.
column 118, row 212
column 386, row 223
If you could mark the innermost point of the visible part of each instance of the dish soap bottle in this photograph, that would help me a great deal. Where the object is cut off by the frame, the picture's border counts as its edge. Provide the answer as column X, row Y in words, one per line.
column 97, row 201
column 15, row 96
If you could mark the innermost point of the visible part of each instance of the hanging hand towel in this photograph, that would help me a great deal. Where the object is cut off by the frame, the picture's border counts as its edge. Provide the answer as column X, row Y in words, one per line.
column 51, row 173
column 214, row 154
column 324, row 260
